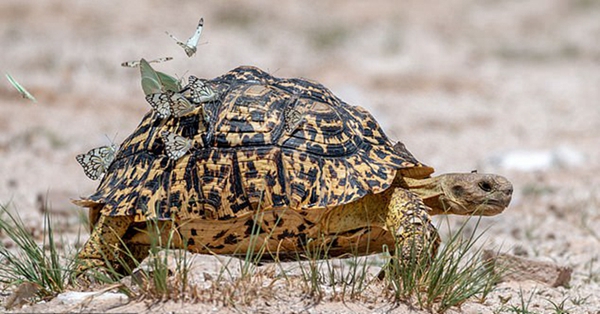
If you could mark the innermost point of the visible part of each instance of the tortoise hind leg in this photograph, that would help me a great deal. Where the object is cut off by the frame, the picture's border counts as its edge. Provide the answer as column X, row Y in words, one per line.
column 416, row 237
column 105, row 243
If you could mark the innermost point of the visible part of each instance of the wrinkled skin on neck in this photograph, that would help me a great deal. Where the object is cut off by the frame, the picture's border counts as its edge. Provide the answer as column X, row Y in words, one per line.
column 463, row 193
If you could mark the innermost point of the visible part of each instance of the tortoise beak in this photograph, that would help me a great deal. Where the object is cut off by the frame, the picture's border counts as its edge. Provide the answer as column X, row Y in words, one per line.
column 476, row 194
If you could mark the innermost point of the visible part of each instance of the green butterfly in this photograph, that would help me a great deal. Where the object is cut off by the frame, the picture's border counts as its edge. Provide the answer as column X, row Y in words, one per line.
column 154, row 82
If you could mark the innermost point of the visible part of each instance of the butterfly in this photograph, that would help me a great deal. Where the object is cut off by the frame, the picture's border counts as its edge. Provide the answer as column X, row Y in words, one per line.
column 161, row 103
column 136, row 63
column 192, row 43
column 180, row 106
column 20, row 88
column 200, row 92
column 175, row 145
column 156, row 82
column 169, row 103
column 293, row 116
column 205, row 115
column 96, row 161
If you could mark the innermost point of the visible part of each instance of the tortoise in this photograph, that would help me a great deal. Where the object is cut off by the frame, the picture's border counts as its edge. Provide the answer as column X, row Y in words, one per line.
column 282, row 160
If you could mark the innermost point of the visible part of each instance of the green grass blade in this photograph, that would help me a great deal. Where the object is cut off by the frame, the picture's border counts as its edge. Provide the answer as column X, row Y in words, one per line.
column 29, row 261
column 20, row 88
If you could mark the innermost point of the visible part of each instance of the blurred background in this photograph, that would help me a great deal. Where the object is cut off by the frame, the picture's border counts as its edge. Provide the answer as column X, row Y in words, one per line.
column 511, row 87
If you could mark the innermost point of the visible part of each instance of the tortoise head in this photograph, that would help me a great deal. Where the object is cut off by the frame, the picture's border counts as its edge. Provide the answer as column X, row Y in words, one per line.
column 473, row 194
column 463, row 193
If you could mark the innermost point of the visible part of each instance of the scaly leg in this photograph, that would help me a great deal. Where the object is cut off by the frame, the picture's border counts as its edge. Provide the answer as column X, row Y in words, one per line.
column 416, row 238
column 105, row 243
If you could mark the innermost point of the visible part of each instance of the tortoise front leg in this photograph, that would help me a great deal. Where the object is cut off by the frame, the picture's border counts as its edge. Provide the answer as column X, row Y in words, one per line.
column 105, row 243
column 416, row 237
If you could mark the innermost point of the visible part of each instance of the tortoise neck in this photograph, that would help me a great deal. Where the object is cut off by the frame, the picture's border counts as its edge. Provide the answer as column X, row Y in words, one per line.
column 429, row 190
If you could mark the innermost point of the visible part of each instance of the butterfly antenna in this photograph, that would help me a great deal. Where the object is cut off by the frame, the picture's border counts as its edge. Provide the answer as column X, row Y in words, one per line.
column 273, row 72
column 112, row 142
column 182, row 78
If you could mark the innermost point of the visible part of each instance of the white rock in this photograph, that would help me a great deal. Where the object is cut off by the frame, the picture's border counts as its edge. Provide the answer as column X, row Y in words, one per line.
column 568, row 157
column 73, row 297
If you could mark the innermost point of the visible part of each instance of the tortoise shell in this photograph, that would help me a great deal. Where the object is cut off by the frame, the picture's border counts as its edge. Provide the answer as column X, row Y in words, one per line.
column 264, row 142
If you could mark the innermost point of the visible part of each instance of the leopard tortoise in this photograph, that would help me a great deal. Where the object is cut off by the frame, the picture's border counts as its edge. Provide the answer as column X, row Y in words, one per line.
column 284, row 160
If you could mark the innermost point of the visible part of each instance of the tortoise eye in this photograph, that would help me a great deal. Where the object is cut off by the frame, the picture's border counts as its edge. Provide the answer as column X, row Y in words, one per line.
column 485, row 186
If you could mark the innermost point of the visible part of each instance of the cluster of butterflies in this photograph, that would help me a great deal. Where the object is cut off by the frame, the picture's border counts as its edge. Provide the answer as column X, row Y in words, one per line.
column 168, row 101
column 162, row 93
column 96, row 162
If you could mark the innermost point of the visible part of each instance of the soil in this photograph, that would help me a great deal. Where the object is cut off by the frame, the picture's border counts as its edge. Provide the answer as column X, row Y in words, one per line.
column 466, row 85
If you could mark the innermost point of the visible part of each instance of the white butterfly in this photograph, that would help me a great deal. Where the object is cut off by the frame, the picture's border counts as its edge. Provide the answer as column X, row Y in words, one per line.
column 200, row 92
column 136, row 63
column 205, row 116
column 169, row 103
column 293, row 115
column 192, row 43
column 175, row 145
column 180, row 106
column 96, row 162
column 161, row 103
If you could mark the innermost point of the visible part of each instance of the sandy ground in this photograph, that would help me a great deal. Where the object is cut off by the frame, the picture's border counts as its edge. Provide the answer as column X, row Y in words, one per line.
column 511, row 87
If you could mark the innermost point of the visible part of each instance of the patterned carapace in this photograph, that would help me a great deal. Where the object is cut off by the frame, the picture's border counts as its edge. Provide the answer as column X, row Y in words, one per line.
column 244, row 157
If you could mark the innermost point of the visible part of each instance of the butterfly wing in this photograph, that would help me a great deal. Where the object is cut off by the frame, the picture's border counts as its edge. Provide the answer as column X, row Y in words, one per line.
column 150, row 81
column 154, row 82
column 293, row 116
column 175, row 145
column 106, row 153
column 161, row 60
column 168, row 82
column 293, row 119
column 131, row 64
column 180, row 106
column 192, row 43
column 206, row 116
column 96, row 161
column 136, row 63
column 200, row 92
column 161, row 103
column 189, row 51
column 175, row 39
column 93, row 167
